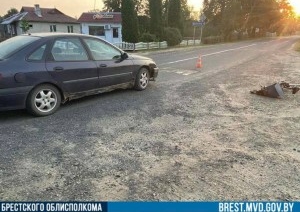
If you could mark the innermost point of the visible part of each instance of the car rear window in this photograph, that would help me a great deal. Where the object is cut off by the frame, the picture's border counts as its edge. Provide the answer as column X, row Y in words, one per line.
column 14, row 44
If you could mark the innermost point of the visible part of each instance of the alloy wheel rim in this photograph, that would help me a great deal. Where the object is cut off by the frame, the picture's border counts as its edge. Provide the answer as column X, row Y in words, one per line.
column 144, row 79
column 45, row 100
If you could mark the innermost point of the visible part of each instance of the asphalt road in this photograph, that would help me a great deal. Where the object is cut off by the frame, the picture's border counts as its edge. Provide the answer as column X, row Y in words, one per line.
column 129, row 145
column 219, row 57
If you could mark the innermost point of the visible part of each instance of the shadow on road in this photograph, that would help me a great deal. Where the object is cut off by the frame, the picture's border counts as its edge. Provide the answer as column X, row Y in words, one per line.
column 14, row 115
column 90, row 101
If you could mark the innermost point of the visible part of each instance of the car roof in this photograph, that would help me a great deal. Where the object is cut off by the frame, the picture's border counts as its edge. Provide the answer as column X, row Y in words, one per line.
column 58, row 34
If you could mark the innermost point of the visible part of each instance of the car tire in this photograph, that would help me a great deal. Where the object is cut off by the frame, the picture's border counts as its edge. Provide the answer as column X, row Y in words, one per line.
column 43, row 100
column 142, row 79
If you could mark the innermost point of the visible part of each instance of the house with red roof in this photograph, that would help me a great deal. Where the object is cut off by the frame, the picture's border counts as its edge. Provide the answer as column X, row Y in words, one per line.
column 106, row 25
column 40, row 20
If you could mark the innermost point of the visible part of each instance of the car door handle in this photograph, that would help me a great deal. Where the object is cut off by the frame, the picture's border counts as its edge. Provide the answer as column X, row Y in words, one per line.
column 103, row 66
column 58, row 68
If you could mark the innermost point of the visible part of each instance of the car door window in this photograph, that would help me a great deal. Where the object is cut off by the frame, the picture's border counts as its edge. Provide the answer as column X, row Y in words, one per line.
column 101, row 50
column 38, row 54
column 68, row 49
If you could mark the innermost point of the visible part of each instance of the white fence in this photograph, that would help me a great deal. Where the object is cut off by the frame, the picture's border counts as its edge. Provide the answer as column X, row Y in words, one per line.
column 153, row 45
column 269, row 34
column 190, row 42
column 141, row 46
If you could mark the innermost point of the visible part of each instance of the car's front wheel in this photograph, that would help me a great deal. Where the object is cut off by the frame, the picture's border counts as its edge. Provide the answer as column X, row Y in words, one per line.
column 142, row 79
column 43, row 100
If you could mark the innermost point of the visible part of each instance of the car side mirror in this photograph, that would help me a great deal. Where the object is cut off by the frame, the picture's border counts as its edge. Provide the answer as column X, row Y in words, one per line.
column 124, row 56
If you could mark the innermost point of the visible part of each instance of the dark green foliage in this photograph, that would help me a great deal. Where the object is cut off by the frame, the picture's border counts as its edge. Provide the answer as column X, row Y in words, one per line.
column 172, row 36
column 130, row 32
column 144, row 24
column 10, row 12
column 233, row 18
column 175, row 19
column 212, row 39
column 156, row 23
column 115, row 5
column 24, row 26
column 112, row 5
column 147, row 37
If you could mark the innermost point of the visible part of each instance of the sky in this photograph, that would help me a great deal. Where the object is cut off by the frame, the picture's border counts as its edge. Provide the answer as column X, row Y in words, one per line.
column 73, row 8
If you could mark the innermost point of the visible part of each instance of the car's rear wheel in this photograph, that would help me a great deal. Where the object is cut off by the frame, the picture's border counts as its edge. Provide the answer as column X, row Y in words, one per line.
column 142, row 79
column 43, row 100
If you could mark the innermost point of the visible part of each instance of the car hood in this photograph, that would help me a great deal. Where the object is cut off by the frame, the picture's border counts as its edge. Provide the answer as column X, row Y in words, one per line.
column 138, row 57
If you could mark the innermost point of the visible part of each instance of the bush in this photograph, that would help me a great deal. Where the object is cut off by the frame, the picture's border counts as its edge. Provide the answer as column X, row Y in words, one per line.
column 172, row 36
column 147, row 37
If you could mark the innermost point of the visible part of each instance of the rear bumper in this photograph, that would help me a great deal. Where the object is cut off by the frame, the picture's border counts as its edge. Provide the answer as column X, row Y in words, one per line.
column 13, row 98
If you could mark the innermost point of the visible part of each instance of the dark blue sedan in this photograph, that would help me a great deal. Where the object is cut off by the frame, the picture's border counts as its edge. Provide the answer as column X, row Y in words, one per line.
column 40, row 71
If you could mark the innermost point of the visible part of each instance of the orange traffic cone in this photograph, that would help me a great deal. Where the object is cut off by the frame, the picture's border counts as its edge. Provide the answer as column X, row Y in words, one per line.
column 199, row 62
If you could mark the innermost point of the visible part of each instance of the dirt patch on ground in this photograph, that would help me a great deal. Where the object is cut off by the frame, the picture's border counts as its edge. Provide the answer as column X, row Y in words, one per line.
column 217, row 142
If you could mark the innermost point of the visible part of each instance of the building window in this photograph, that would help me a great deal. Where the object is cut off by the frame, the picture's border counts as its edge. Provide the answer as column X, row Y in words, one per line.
column 115, row 32
column 70, row 29
column 52, row 28
column 97, row 30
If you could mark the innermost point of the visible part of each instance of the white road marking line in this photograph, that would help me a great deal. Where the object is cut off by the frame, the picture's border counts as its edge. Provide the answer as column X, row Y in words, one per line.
column 205, row 55
column 181, row 72
column 228, row 50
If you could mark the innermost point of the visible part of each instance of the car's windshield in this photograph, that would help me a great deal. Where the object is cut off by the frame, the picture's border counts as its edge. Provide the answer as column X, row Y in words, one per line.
column 14, row 44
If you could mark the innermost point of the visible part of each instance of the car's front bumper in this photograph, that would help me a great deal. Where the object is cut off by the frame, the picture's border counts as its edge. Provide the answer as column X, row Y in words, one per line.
column 13, row 98
column 155, row 72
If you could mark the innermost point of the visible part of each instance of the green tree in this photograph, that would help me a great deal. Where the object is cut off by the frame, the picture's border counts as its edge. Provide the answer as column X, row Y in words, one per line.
column 165, row 9
column 115, row 5
column 112, row 5
column 254, row 16
column 144, row 24
column 174, row 14
column 142, row 7
column 231, row 19
column 211, row 9
column 24, row 26
column 261, row 15
column 172, row 36
column 289, row 21
column 186, row 10
column 188, row 17
column 156, row 23
column 10, row 12
column 130, row 27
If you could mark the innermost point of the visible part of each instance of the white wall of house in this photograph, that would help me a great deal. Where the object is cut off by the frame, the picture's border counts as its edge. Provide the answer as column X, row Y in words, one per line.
column 38, row 27
column 112, row 32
